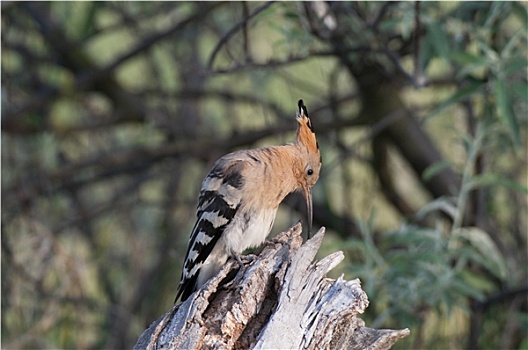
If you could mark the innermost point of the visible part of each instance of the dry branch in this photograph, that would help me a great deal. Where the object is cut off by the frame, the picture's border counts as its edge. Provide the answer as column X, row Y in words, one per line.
column 280, row 300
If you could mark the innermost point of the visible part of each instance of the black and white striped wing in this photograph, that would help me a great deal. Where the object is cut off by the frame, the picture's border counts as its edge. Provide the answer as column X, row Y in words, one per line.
column 218, row 203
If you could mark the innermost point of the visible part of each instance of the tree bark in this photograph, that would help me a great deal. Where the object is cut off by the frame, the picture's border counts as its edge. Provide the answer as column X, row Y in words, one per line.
column 279, row 300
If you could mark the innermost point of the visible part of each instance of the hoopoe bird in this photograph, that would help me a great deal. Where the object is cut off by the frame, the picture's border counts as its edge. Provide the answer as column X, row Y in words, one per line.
column 239, row 199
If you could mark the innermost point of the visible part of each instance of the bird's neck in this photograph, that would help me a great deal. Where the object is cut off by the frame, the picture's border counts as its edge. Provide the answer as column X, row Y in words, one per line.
column 280, row 173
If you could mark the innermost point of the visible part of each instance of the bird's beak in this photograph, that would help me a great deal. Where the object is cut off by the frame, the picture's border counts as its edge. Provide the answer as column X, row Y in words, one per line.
column 307, row 191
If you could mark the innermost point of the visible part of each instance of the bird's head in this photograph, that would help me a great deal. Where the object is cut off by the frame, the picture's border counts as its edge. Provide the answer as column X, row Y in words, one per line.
column 309, row 158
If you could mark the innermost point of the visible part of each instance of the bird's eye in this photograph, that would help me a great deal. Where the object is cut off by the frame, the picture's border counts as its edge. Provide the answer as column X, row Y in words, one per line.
column 309, row 172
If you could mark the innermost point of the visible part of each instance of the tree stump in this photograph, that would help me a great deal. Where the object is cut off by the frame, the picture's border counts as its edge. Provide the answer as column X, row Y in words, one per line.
column 279, row 300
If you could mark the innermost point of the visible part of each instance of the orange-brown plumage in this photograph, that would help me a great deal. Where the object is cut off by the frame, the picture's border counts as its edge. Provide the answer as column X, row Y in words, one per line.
column 240, row 197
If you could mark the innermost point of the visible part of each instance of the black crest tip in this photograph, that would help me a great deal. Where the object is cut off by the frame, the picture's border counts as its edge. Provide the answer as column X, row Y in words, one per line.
column 302, row 108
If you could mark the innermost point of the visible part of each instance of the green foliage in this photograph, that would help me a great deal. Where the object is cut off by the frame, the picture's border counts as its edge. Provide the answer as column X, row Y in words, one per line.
column 419, row 268
column 501, row 65
column 100, row 176
column 416, row 269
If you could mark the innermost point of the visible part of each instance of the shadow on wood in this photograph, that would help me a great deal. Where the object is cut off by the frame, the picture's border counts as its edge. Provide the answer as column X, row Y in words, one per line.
column 279, row 300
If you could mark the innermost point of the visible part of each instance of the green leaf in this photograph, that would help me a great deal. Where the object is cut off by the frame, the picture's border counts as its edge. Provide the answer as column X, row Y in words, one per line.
column 87, row 25
column 505, row 111
column 458, row 96
column 439, row 40
column 520, row 88
column 466, row 58
column 470, row 63
column 434, row 169
column 512, row 43
column 292, row 15
column 441, row 203
column 520, row 11
column 481, row 241
column 477, row 281
column 497, row 9
column 515, row 65
column 468, row 290
column 496, row 180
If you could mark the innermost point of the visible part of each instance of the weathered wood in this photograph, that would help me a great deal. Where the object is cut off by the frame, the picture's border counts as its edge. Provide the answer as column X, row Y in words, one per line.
column 279, row 300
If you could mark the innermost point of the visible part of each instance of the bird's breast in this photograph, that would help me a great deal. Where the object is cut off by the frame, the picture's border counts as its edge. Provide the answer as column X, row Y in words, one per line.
column 248, row 229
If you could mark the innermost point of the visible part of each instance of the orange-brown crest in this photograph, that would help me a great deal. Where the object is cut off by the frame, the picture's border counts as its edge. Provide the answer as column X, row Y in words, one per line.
column 305, row 130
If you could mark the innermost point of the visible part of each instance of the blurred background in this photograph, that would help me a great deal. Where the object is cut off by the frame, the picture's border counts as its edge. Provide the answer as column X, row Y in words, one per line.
column 113, row 112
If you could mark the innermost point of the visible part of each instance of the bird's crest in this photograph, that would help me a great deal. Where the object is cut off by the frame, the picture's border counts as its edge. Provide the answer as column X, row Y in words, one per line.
column 305, row 130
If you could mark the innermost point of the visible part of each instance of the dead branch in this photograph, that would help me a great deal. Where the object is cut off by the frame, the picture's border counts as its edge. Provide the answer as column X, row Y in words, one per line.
column 281, row 299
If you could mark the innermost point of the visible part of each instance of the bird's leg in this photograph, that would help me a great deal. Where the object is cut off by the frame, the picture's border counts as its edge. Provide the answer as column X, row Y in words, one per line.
column 240, row 259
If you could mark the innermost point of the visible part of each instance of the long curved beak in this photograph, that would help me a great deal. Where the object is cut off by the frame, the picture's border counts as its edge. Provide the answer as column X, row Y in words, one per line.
column 307, row 191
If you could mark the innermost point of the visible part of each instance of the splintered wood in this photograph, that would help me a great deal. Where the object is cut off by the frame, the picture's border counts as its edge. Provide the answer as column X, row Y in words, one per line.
column 281, row 299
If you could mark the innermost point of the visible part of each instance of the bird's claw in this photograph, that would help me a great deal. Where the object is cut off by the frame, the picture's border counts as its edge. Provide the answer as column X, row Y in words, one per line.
column 242, row 259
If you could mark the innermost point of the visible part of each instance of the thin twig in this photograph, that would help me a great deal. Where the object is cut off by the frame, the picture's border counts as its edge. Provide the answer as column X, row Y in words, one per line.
column 273, row 63
column 418, row 75
column 245, row 35
column 156, row 37
column 380, row 14
column 233, row 30
column 395, row 59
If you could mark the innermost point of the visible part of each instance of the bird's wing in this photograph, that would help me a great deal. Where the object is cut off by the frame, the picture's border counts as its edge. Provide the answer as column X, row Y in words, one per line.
column 219, row 200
